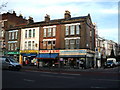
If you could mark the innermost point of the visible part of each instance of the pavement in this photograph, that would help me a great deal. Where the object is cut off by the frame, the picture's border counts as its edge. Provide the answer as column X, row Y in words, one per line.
column 71, row 70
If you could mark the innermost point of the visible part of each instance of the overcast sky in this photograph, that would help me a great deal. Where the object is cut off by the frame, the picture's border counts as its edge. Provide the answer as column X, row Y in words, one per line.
column 103, row 12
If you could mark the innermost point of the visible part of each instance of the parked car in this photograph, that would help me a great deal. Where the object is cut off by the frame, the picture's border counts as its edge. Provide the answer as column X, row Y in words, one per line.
column 10, row 63
column 110, row 63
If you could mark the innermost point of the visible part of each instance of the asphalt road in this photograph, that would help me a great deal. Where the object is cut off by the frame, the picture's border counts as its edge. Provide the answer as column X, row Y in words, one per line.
column 37, row 79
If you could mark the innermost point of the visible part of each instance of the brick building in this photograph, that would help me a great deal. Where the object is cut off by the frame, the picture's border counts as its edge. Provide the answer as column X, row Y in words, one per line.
column 7, row 21
column 67, row 40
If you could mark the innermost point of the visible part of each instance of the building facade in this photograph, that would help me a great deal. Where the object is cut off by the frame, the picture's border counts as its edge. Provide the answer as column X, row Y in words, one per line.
column 63, row 42
column 7, row 21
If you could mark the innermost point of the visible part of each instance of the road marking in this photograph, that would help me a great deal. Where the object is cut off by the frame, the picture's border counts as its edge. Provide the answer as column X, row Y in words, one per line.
column 70, row 74
column 28, row 80
column 58, row 76
column 96, row 87
column 106, row 80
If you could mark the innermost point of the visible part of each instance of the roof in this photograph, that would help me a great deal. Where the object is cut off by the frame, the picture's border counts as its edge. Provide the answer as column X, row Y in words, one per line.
column 53, row 22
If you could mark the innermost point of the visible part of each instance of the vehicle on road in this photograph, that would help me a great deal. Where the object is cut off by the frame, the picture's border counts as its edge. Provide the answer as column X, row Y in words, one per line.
column 111, row 62
column 9, row 63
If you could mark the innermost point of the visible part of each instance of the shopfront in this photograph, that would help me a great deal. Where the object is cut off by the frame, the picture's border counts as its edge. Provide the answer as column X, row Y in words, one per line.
column 14, row 54
column 48, row 57
column 72, row 57
column 28, row 56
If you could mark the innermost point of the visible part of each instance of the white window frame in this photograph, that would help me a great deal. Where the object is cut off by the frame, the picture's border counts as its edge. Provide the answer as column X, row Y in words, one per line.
column 49, row 32
column 13, row 35
column 72, row 30
column 45, row 30
column 54, row 31
column 77, row 29
column 10, row 35
column 72, row 43
column 67, row 30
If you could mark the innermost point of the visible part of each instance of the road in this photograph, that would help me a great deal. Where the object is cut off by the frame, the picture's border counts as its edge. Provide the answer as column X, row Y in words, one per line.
column 37, row 79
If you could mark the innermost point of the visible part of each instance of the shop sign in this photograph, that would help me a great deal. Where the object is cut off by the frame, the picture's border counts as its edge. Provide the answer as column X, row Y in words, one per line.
column 73, row 52
column 29, row 51
column 13, row 53
column 49, row 51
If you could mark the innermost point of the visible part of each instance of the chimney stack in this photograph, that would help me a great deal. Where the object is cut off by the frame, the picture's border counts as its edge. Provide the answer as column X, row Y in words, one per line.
column 30, row 20
column 47, row 18
column 14, row 13
column 67, row 14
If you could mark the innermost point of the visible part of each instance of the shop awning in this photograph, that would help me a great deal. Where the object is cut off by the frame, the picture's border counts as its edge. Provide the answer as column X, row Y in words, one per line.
column 29, row 54
column 47, row 55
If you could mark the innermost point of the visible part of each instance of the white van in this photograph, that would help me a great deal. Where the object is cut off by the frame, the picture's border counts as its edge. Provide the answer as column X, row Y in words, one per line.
column 9, row 63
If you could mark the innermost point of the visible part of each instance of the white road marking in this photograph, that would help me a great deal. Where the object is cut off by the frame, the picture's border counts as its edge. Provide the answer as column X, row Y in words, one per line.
column 28, row 80
column 58, row 76
column 106, row 80
column 96, row 87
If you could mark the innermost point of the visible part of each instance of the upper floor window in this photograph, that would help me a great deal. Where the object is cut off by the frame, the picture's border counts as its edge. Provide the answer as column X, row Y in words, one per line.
column 9, row 35
column 16, row 35
column 49, row 32
column 77, row 43
column 72, row 30
column 72, row 44
column 25, row 44
column 77, row 29
column 54, row 31
column 25, row 33
column 67, row 30
column 33, row 32
column 12, row 35
column 45, row 32
column 67, row 44
column 29, row 33
column 33, row 45
column 29, row 45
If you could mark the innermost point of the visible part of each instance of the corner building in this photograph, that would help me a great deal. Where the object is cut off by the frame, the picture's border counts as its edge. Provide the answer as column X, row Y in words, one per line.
column 72, row 37
column 59, row 42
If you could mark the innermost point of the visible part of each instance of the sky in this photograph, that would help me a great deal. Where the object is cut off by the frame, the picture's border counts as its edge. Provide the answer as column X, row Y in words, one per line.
column 103, row 12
